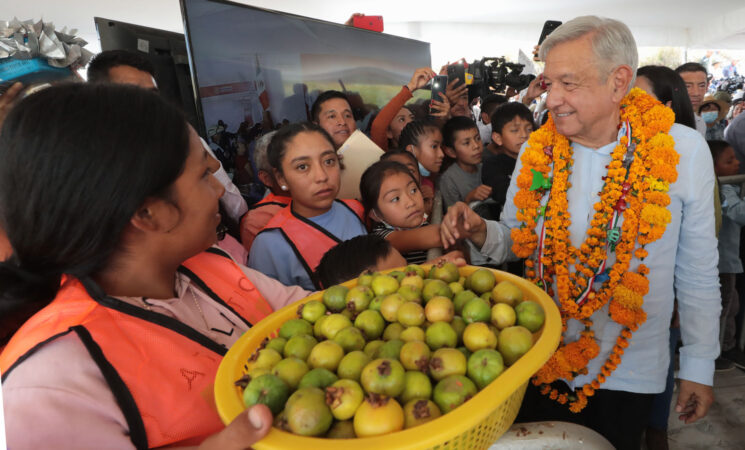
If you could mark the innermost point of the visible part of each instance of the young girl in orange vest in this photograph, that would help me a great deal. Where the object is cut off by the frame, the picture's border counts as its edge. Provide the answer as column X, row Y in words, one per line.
column 131, row 307
column 291, row 245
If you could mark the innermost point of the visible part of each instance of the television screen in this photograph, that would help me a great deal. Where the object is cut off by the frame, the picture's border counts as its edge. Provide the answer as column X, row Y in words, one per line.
column 254, row 67
column 165, row 50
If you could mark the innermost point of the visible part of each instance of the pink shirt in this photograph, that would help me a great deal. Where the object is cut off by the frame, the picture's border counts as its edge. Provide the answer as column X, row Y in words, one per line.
column 58, row 397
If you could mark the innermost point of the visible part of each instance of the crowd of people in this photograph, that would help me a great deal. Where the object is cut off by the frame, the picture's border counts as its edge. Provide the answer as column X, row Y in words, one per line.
column 113, row 276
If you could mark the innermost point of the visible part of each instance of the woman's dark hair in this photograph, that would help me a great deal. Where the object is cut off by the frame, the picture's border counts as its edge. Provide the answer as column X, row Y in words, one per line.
column 78, row 160
column 506, row 113
column 278, row 145
column 350, row 258
column 373, row 178
column 668, row 86
column 413, row 131
column 315, row 110
column 717, row 147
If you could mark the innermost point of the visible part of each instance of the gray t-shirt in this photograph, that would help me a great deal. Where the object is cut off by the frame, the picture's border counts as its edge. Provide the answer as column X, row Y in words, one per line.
column 456, row 183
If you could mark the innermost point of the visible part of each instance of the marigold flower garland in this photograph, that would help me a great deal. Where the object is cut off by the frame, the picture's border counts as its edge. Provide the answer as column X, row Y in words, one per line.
column 643, row 165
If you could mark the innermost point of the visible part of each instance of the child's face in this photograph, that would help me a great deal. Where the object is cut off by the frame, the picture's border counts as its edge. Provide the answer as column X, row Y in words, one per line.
column 410, row 163
column 398, row 123
column 467, row 147
column 310, row 169
column 400, row 201
column 513, row 135
column 429, row 151
column 726, row 163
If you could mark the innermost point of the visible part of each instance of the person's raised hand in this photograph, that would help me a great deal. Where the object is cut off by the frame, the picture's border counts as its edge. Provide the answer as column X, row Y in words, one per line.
column 246, row 429
column 535, row 89
column 440, row 109
column 454, row 92
column 8, row 99
column 420, row 78
column 694, row 400
column 460, row 222
column 350, row 21
column 480, row 193
column 536, row 49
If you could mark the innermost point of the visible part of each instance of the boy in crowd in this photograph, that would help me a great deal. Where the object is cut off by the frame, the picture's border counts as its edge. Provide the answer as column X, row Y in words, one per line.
column 370, row 252
column 333, row 112
column 461, row 182
column 350, row 258
column 696, row 80
column 488, row 105
column 511, row 124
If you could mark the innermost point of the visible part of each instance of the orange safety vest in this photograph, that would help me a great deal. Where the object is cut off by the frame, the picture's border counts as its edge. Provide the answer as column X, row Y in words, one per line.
column 308, row 240
column 160, row 370
column 272, row 199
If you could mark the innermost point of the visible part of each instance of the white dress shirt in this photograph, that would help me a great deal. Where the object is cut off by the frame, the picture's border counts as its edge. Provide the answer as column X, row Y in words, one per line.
column 682, row 264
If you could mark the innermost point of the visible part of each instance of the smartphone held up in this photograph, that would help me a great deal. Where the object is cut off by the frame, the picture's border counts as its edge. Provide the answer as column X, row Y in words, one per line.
column 548, row 27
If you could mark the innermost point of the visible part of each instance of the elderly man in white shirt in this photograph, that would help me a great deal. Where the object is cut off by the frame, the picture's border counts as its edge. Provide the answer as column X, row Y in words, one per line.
column 590, row 67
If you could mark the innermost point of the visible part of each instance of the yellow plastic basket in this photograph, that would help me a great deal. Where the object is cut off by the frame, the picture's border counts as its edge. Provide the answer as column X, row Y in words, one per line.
column 474, row 425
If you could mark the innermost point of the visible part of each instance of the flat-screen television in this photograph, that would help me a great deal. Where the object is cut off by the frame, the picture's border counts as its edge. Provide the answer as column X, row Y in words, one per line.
column 165, row 50
column 253, row 66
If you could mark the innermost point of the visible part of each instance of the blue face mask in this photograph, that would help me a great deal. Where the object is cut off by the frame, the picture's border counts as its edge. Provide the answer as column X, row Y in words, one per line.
column 710, row 116
column 424, row 172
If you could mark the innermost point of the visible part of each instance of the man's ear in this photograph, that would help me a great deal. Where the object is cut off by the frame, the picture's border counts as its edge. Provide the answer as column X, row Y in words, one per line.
column 496, row 138
column 485, row 119
column 620, row 79
column 449, row 151
column 156, row 215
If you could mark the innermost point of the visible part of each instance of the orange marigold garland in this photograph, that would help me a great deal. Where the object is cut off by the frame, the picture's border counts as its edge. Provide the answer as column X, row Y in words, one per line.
column 642, row 166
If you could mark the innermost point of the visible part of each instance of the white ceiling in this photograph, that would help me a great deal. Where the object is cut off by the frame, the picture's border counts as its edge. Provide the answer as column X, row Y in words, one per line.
column 480, row 27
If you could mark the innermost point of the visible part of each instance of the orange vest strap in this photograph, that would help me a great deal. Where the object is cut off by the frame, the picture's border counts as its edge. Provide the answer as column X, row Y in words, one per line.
column 356, row 208
column 272, row 199
column 123, row 396
column 210, row 269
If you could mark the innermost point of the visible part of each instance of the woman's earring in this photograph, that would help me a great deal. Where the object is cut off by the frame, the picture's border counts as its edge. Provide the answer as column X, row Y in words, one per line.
column 284, row 188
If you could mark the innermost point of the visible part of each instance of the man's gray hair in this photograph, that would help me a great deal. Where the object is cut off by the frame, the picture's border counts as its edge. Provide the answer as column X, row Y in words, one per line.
column 260, row 152
column 611, row 40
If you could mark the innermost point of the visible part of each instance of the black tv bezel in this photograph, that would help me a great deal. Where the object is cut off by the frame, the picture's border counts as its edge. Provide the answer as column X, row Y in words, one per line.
column 192, row 66
column 164, row 35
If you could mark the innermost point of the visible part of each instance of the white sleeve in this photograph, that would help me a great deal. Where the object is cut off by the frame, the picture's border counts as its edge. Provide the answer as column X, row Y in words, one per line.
column 232, row 200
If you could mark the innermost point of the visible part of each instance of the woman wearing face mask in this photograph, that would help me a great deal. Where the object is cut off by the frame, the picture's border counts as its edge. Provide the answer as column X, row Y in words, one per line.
column 131, row 307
